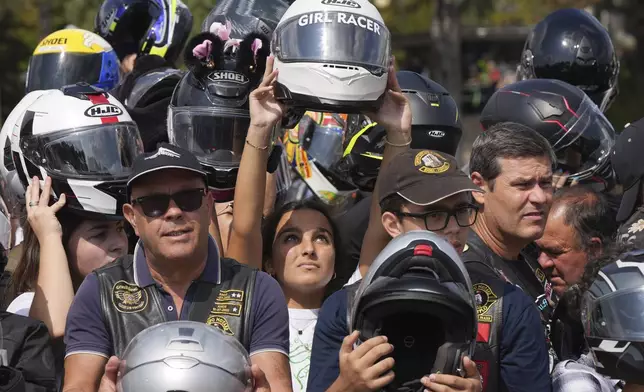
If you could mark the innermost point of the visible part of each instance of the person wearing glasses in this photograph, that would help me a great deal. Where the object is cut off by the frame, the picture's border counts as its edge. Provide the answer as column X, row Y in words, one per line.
column 425, row 190
column 175, row 273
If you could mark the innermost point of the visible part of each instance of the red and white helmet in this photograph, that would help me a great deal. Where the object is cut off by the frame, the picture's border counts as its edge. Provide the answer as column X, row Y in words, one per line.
column 84, row 139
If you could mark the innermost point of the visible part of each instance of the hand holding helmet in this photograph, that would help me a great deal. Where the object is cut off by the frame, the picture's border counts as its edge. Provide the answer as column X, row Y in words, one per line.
column 395, row 113
column 265, row 110
column 363, row 369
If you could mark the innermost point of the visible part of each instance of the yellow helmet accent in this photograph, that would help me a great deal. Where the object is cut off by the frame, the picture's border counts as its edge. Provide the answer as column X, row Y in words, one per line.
column 74, row 41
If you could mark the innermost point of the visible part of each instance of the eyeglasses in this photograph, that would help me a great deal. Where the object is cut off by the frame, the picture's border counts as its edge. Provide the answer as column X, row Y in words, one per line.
column 154, row 206
column 438, row 220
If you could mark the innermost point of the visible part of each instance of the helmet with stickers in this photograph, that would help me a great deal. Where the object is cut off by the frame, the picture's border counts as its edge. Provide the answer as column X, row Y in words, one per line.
column 72, row 56
column 85, row 141
column 333, row 56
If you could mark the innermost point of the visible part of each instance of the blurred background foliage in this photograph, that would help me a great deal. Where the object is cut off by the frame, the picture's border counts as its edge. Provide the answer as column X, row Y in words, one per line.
column 439, row 37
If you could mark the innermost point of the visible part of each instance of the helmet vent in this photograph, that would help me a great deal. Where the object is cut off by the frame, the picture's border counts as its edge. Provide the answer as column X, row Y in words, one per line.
column 336, row 66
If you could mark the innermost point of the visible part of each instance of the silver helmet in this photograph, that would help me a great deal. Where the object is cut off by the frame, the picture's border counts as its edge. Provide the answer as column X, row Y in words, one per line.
column 184, row 356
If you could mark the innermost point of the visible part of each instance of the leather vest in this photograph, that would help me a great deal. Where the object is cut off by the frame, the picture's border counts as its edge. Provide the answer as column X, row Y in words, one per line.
column 526, row 274
column 129, row 309
column 488, row 292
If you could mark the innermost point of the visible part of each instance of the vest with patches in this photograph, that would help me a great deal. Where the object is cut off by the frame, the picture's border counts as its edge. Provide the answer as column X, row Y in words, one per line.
column 129, row 309
column 488, row 293
column 526, row 274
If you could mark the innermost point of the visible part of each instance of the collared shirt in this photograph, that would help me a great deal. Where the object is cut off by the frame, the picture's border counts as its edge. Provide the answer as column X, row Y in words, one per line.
column 86, row 330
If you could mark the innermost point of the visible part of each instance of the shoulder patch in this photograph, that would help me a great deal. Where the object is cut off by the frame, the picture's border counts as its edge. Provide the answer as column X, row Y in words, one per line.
column 128, row 297
column 485, row 298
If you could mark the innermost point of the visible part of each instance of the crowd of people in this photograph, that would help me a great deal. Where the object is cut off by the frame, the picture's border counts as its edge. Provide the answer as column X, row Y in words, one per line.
column 287, row 214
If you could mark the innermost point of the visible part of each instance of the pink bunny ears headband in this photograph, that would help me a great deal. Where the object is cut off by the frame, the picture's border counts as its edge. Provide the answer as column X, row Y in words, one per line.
column 209, row 50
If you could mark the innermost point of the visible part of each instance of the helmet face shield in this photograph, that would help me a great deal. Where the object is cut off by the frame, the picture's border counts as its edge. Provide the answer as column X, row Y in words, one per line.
column 585, row 142
column 216, row 136
column 101, row 152
column 299, row 40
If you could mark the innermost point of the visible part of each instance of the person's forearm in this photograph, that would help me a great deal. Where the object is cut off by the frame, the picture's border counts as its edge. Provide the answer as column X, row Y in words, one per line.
column 376, row 238
column 245, row 243
column 54, row 291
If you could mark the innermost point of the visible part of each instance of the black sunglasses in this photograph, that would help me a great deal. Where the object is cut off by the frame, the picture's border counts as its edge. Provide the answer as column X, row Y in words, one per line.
column 154, row 206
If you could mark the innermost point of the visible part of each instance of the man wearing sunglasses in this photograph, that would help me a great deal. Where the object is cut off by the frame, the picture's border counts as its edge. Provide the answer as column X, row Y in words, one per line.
column 176, row 273
column 426, row 190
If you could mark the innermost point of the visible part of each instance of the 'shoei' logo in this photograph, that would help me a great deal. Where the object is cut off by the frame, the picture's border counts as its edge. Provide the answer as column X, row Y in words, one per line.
column 436, row 133
column 228, row 76
column 342, row 3
column 103, row 110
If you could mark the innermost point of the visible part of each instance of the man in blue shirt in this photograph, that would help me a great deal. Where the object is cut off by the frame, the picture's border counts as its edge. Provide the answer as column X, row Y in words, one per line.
column 176, row 273
column 424, row 190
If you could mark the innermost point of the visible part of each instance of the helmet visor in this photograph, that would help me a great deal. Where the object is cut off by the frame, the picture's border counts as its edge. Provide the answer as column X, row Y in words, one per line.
column 104, row 152
column 616, row 316
column 216, row 137
column 55, row 70
column 585, row 142
column 332, row 37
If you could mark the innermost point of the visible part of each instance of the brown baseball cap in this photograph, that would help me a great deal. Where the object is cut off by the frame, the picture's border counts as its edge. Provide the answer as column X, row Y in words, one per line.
column 423, row 177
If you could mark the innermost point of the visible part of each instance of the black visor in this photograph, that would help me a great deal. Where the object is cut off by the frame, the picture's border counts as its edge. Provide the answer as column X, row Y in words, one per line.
column 54, row 70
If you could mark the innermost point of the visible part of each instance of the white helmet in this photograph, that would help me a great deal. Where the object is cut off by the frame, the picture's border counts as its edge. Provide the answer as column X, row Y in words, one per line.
column 83, row 139
column 5, row 227
column 13, row 121
column 184, row 356
column 333, row 56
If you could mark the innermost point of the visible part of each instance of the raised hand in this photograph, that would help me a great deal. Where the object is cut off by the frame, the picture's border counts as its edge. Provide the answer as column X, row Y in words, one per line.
column 265, row 110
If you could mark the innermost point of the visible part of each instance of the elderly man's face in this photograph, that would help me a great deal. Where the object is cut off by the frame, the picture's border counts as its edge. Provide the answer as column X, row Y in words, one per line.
column 175, row 233
column 561, row 257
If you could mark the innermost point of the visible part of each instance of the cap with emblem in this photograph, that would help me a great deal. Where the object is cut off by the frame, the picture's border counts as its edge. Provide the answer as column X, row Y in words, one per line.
column 165, row 157
column 628, row 163
column 423, row 177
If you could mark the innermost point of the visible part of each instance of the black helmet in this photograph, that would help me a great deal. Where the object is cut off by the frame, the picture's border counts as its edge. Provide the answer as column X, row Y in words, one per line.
column 612, row 315
column 245, row 17
column 435, row 121
column 435, row 125
column 241, row 19
column 419, row 295
column 580, row 134
column 573, row 46
column 158, row 27
column 208, row 113
column 146, row 93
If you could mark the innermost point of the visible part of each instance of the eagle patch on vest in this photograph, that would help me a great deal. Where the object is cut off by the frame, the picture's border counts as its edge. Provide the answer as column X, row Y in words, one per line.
column 128, row 297
column 221, row 323
column 485, row 298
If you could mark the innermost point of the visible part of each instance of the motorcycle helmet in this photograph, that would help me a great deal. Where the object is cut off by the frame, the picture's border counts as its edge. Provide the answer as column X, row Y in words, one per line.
column 158, row 27
column 611, row 313
column 5, row 229
column 85, row 141
column 577, row 130
column 184, row 356
column 572, row 45
column 333, row 56
column 208, row 114
column 313, row 148
column 12, row 124
column 72, row 56
column 245, row 17
column 418, row 294
column 435, row 125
